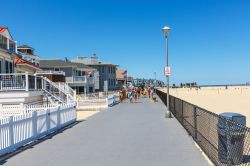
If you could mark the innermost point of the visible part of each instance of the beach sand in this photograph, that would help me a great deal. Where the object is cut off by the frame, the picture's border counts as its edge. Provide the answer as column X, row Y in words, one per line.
column 218, row 99
column 83, row 115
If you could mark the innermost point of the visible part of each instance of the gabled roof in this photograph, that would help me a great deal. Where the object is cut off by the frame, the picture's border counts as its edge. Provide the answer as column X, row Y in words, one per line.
column 21, row 61
column 62, row 63
column 5, row 32
column 2, row 29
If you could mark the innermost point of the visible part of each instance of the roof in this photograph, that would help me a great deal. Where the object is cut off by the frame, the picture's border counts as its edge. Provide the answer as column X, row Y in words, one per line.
column 103, row 64
column 2, row 29
column 121, row 74
column 20, row 61
column 25, row 46
column 62, row 63
column 5, row 32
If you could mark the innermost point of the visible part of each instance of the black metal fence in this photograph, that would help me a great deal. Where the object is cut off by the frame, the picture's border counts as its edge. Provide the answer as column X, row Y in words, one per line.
column 224, row 141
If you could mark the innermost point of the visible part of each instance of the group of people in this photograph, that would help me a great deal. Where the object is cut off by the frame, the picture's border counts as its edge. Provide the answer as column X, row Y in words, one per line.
column 134, row 93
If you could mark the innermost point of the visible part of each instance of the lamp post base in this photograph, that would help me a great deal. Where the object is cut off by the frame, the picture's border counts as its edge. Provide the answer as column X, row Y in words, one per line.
column 168, row 114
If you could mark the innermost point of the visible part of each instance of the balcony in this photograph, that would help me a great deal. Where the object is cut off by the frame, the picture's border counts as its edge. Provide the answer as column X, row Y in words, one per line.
column 76, row 79
column 80, row 80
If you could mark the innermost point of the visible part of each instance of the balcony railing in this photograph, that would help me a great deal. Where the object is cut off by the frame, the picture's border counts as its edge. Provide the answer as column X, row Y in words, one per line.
column 29, row 82
column 76, row 79
column 50, row 72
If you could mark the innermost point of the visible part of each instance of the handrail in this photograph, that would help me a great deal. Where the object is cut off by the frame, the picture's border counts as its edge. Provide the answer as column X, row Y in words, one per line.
column 27, row 82
column 67, row 96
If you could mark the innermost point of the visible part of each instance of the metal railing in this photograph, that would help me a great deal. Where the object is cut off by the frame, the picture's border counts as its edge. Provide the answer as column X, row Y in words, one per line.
column 227, row 146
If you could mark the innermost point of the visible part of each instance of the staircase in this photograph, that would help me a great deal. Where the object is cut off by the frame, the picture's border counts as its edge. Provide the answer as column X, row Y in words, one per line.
column 49, row 91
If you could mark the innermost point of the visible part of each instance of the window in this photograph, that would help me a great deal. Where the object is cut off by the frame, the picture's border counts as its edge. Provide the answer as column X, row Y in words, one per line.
column 8, row 67
column 57, row 69
column 12, row 46
column 3, row 42
column 11, row 67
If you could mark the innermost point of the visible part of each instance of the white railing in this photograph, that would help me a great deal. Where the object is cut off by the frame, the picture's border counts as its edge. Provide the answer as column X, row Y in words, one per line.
column 50, row 72
column 16, row 131
column 28, row 82
column 13, row 81
column 76, row 79
column 53, row 89
column 65, row 87
column 9, row 110
column 91, row 104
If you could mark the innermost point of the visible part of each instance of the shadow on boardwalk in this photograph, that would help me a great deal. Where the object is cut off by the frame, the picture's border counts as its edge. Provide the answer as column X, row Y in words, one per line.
column 124, row 135
column 4, row 158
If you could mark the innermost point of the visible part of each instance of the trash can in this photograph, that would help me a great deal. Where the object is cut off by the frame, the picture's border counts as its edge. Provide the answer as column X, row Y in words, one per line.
column 230, row 138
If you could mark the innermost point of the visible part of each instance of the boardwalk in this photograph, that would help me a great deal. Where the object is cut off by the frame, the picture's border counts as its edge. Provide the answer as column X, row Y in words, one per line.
column 125, row 135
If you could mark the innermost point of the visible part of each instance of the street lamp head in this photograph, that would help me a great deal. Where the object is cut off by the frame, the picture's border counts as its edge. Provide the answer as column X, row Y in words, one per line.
column 166, row 30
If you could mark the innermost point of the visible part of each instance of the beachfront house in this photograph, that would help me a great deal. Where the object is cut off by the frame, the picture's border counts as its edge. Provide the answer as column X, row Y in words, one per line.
column 8, row 51
column 29, row 61
column 121, row 77
column 78, row 76
column 107, row 71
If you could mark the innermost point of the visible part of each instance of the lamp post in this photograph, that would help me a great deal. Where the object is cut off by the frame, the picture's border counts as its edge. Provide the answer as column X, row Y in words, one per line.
column 155, row 79
column 166, row 30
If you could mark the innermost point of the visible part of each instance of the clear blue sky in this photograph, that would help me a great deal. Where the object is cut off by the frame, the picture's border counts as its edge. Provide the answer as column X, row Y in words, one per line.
column 209, row 42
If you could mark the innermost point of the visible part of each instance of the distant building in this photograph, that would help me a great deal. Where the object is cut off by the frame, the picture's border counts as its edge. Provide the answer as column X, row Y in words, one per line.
column 121, row 77
column 78, row 76
column 29, row 61
column 27, row 53
column 107, row 71
column 8, row 51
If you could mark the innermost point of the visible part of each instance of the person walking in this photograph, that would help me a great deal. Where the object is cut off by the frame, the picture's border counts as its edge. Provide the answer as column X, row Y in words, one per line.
column 144, row 92
column 138, row 91
column 149, row 92
column 130, row 95
column 152, row 92
column 135, row 94
column 121, row 96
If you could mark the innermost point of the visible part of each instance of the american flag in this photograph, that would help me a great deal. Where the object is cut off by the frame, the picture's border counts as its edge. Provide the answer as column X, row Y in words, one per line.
column 125, row 72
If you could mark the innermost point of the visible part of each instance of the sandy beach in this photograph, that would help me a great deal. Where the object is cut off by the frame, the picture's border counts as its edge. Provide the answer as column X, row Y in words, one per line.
column 218, row 99
column 83, row 115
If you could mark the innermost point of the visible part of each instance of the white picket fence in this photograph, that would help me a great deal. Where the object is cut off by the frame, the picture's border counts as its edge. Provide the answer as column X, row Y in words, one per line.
column 9, row 110
column 97, row 103
column 18, row 130
column 91, row 104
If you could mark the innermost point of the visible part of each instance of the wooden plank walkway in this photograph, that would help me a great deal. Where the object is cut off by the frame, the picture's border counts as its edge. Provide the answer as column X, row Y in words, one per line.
column 124, row 135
